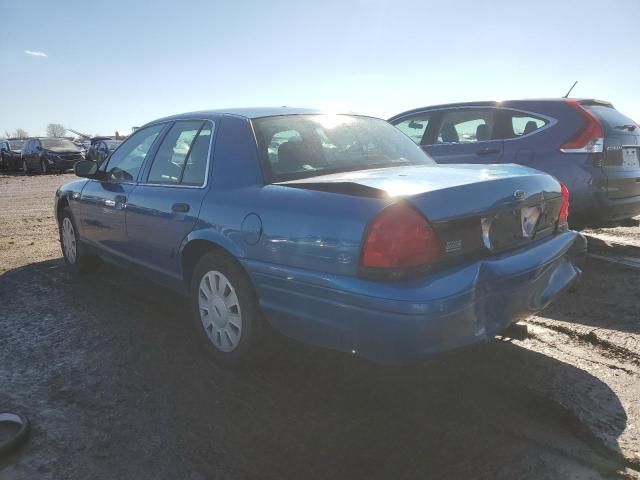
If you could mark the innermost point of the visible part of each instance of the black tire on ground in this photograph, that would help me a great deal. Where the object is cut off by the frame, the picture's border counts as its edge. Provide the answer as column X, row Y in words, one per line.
column 83, row 262
column 43, row 167
column 256, row 336
column 25, row 168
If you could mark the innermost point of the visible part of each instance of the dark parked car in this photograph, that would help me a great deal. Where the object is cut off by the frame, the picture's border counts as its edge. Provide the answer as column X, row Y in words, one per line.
column 10, row 154
column 335, row 230
column 101, row 148
column 49, row 154
column 587, row 144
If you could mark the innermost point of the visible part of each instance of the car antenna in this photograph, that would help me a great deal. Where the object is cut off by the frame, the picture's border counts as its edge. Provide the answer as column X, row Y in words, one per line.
column 567, row 94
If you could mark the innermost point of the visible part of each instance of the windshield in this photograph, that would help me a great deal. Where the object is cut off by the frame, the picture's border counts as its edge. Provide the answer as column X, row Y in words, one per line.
column 16, row 144
column 303, row 146
column 58, row 144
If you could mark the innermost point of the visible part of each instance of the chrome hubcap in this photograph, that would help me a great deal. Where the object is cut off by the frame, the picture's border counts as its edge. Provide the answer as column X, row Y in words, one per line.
column 68, row 240
column 220, row 311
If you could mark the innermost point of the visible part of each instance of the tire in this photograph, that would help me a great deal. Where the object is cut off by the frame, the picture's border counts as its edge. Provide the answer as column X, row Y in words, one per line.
column 226, row 315
column 73, row 251
column 43, row 167
column 25, row 168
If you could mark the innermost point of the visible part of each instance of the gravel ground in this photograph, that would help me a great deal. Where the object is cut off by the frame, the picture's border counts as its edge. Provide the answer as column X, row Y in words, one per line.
column 104, row 365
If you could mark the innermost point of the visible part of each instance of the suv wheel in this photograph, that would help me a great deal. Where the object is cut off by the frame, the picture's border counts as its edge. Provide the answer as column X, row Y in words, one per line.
column 43, row 166
column 75, row 255
column 25, row 168
column 227, row 317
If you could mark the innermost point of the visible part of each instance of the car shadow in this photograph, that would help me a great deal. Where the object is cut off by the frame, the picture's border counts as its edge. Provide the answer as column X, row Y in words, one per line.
column 106, row 367
column 607, row 295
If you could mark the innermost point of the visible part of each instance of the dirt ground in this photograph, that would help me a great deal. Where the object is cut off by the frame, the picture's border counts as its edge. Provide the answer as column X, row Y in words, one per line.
column 105, row 367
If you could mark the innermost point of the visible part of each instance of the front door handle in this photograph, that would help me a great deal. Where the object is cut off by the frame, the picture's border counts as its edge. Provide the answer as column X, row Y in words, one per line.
column 180, row 207
column 119, row 201
column 487, row 151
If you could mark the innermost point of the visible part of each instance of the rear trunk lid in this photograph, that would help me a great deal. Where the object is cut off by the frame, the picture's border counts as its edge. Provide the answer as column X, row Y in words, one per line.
column 473, row 208
column 621, row 157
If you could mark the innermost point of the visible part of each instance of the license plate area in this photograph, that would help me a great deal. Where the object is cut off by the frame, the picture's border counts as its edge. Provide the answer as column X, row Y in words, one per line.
column 630, row 157
column 517, row 227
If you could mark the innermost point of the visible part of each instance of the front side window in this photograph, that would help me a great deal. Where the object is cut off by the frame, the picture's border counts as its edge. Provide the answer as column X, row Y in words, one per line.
column 182, row 156
column 466, row 126
column 303, row 146
column 126, row 161
column 415, row 126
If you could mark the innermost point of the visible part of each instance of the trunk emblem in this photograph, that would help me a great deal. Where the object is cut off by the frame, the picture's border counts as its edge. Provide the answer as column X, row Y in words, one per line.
column 518, row 194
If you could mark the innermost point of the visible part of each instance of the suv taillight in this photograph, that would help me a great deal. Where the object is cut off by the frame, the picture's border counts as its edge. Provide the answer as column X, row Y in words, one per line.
column 590, row 138
column 563, row 217
column 399, row 240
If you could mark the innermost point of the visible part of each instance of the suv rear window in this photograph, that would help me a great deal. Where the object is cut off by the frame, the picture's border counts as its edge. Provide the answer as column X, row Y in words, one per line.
column 612, row 120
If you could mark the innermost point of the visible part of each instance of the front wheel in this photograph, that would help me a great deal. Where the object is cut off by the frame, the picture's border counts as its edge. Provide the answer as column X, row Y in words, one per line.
column 75, row 255
column 227, row 317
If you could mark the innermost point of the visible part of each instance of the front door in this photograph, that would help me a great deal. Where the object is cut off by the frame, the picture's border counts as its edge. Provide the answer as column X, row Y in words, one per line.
column 103, row 201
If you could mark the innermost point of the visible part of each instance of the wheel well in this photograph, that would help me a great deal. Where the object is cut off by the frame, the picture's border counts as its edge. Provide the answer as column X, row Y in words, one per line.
column 63, row 203
column 192, row 253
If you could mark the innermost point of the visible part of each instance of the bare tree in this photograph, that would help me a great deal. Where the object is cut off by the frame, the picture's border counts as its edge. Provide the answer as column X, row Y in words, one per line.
column 55, row 130
column 18, row 133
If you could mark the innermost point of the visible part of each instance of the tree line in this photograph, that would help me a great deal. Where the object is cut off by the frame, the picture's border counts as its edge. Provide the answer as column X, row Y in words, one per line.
column 53, row 130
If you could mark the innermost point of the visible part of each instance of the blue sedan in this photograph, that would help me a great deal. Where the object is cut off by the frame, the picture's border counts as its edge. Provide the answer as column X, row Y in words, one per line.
column 336, row 230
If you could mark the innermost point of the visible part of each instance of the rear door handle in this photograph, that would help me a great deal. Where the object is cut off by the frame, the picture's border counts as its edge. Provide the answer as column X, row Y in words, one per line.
column 180, row 207
column 487, row 151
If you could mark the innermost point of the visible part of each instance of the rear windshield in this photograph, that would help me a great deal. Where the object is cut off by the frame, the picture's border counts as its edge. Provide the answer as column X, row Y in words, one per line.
column 612, row 120
column 58, row 144
column 16, row 144
column 303, row 146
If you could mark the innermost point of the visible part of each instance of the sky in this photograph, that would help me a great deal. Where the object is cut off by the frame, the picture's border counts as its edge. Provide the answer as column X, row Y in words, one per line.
column 102, row 66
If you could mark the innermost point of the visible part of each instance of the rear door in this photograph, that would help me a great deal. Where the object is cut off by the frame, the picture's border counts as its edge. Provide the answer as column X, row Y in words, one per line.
column 621, row 163
column 466, row 135
column 165, row 205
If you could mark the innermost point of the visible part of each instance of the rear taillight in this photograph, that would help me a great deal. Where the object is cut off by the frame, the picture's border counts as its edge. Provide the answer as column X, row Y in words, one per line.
column 563, row 217
column 400, row 239
column 590, row 138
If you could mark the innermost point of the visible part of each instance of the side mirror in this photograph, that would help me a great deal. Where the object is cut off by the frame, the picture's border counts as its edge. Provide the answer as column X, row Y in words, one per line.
column 85, row 168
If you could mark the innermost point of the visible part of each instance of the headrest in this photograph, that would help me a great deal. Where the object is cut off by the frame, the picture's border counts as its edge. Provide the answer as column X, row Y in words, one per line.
column 482, row 132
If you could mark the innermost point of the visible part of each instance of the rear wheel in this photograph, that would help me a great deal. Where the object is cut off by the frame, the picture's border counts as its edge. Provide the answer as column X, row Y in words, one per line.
column 75, row 255
column 227, row 317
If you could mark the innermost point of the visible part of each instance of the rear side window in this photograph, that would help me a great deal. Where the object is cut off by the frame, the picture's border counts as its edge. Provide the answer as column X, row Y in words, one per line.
column 466, row 125
column 182, row 156
column 519, row 124
column 612, row 120
column 415, row 126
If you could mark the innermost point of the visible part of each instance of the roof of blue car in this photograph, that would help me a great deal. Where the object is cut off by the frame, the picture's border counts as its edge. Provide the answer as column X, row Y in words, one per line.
column 255, row 112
